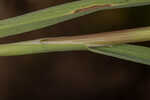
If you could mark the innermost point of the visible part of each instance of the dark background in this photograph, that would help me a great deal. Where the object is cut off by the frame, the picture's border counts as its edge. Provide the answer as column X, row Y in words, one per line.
column 73, row 75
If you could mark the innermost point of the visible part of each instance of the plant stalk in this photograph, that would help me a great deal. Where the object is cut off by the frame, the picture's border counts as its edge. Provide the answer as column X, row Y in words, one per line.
column 75, row 42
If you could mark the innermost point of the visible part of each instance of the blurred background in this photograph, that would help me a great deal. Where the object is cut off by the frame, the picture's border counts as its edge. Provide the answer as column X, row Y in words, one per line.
column 73, row 75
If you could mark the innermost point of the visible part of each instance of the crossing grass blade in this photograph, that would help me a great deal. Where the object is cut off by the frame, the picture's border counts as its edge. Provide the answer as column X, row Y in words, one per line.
column 53, row 15
column 138, row 54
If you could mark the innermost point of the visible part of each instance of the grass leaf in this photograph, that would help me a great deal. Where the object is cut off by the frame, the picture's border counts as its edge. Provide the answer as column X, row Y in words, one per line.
column 138, row 54
column 53, row 15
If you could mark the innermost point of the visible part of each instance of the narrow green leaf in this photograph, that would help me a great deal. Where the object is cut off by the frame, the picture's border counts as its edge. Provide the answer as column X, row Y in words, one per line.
column 54, row 15
column 138, row 54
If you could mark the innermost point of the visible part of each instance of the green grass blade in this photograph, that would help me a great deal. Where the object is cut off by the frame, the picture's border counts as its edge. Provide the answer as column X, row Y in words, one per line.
column 54, row 15
column 138, row 54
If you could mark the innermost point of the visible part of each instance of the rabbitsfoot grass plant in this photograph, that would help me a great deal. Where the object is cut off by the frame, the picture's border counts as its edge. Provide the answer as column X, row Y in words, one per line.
column 107, row 43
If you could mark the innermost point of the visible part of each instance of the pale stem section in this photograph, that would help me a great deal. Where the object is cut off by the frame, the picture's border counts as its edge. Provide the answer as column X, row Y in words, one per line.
column 75, row 42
